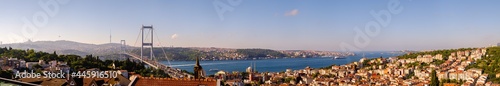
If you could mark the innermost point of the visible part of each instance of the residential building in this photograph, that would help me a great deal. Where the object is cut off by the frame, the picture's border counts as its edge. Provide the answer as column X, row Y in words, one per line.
column 147, row 81
column 29, row 65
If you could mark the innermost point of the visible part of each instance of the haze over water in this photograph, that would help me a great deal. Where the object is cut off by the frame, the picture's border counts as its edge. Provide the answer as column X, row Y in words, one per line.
column 275, row 65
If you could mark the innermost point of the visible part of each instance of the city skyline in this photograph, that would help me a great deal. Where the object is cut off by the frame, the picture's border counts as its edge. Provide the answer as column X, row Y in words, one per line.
column 293, row 25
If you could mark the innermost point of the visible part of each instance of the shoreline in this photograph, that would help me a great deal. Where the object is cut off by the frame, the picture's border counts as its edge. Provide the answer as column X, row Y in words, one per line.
column 271, row 65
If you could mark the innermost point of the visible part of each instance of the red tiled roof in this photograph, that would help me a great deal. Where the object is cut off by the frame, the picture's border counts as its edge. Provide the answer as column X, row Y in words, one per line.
column 146, row 81
column 450, row 84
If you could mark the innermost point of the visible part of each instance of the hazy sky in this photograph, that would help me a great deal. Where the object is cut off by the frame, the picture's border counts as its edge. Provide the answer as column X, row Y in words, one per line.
column 274, row 24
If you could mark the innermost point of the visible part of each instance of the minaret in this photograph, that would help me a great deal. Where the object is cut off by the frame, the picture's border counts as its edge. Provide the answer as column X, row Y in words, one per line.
column 109, row 35
column 254, row 67
column 198, row 70
column 251, row 71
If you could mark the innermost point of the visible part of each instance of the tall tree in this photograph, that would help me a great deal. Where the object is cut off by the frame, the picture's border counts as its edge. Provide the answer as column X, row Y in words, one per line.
column 434, row 79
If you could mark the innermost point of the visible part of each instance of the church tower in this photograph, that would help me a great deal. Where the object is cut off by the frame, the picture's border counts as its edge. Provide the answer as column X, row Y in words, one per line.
column 198, row 70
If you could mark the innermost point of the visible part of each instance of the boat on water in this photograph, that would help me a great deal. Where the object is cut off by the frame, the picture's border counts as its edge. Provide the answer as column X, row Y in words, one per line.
column 213, row 70
column 337, row 57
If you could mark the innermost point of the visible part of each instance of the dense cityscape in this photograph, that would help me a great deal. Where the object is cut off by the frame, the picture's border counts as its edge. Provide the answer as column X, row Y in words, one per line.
column 453, row 67
column 249, row 43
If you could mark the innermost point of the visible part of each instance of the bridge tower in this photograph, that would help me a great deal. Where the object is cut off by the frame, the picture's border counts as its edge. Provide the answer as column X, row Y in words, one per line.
column 123, row 46
column 123, row 52
column 147, row 44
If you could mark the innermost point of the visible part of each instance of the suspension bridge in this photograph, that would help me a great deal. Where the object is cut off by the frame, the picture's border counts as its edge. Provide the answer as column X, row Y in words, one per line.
column 152, row 61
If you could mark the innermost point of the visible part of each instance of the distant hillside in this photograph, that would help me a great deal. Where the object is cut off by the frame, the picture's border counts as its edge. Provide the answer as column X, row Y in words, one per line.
column 69, row 47
column 178, row 53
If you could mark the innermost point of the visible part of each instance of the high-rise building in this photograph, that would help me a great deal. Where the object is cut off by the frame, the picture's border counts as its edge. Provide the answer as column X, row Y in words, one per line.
column 198, row 70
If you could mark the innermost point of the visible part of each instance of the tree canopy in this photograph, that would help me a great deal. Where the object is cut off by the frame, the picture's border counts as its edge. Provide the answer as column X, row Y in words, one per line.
column 77, row 62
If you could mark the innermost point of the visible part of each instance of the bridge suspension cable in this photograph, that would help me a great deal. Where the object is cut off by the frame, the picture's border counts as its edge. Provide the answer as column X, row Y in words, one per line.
column 164, row 53
column 138, row 35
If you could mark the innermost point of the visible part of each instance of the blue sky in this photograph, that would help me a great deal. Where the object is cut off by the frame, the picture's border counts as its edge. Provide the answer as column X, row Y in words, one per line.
column 273, row 24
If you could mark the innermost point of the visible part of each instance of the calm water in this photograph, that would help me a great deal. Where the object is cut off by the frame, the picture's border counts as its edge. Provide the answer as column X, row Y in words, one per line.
column 274, row 65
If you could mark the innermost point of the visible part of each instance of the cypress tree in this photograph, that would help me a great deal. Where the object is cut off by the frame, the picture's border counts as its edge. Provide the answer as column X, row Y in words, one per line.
column 434, row 79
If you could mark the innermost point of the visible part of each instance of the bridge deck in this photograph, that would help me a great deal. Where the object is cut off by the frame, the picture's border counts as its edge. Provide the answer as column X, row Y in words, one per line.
column 172, row 72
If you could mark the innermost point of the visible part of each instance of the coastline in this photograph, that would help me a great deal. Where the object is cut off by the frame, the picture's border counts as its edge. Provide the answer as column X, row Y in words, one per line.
column 272, row 65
